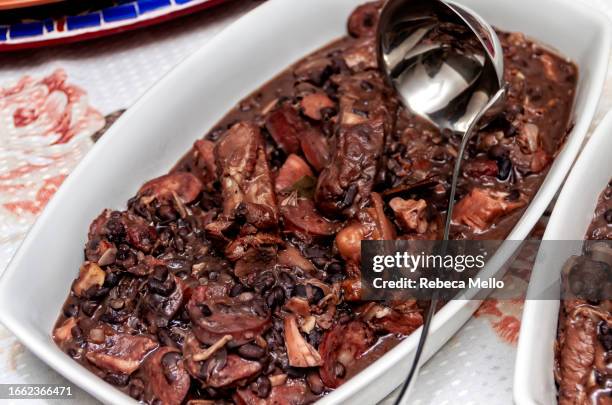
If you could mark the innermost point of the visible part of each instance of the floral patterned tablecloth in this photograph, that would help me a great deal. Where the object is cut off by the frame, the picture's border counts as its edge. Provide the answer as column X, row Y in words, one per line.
column 54, row 104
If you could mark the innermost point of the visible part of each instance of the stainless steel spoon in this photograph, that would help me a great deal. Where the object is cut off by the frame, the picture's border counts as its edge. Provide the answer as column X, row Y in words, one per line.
column 447, row 65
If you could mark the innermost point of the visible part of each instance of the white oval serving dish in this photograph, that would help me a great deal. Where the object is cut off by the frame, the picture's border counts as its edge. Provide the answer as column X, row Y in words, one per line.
column 533, row 373
column 150, row 137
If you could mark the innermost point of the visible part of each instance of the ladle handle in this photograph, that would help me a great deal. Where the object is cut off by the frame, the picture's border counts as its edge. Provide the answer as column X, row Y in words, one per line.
column 416, row 362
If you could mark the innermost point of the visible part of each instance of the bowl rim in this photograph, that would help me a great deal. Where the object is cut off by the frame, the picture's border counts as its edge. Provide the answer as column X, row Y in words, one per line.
column 533, row 311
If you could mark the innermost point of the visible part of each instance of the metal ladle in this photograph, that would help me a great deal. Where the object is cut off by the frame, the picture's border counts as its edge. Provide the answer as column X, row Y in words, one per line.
column 446, row 63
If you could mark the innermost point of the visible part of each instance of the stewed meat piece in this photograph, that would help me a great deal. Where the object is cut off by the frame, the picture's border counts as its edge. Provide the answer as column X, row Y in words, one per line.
column 168, row 380
column 480, row 208
column 118, row 352
column 184, row 186
column 301, row 214
column 364, row 121
column 286, row 128
column 293, row 170
column 215, row 314
column 341, row 347
column 245, row 177
column 364, row 19
column 577, row 356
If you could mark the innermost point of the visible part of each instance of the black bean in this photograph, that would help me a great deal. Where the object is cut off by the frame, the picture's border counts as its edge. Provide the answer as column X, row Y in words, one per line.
column 594, row 302
column 275, row 297
column 95, row 292
column 179, row 265
column 115, row 226
column 213, row 276
column 205, row 309
column 314, row 251
column 349, row 196
column 497, row 152
column 167, row 213
column 604, row 334
column 295, row 372
column 314, row 382
column 165, row 338
column 160, row 273
column 300, row 290
column 262, row 386
column 212, row 392
column 179, row 244
column 440, row 156
column 264, row 282
column 93, row 244
column 327, row 113
column 258, row 307
column 314, row 337
column 317, row 295
column 269, row 366
column 71, row 310
column 608, row 216
column 504, row 168
column 286, row 279
column 287, row 283
column 169, row 363
column 184, row 231
column 516, row 109
column 157, row 287
column 319, row 261
column 366, row 85
column 599, row 378
column 111, row 280
column 160, row 288
column 334, row 267
column 123, row 253
column 236, row 290
column 120, row 380
column 339, row 370
column 344, row 318
column 76, row 333
column 511, row 131
column 218, row 361
column 111, row 316
column 535, row 92
column 101, row 292
column 89, row 307
column 251, row 351
column 136, row 388
column 514, row 195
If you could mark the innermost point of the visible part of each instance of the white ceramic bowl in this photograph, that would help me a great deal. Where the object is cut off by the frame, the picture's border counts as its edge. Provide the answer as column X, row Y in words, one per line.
column 533, row 374
column 150, row 137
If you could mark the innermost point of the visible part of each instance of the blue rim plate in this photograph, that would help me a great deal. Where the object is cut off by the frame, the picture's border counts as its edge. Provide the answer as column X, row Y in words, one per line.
column 121, row 15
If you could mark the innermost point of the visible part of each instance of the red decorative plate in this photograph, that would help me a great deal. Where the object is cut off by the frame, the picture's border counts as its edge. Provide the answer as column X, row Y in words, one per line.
column 10, row 4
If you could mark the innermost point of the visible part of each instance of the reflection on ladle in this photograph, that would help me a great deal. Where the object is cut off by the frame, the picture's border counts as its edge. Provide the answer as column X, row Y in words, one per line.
column 446, row 63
